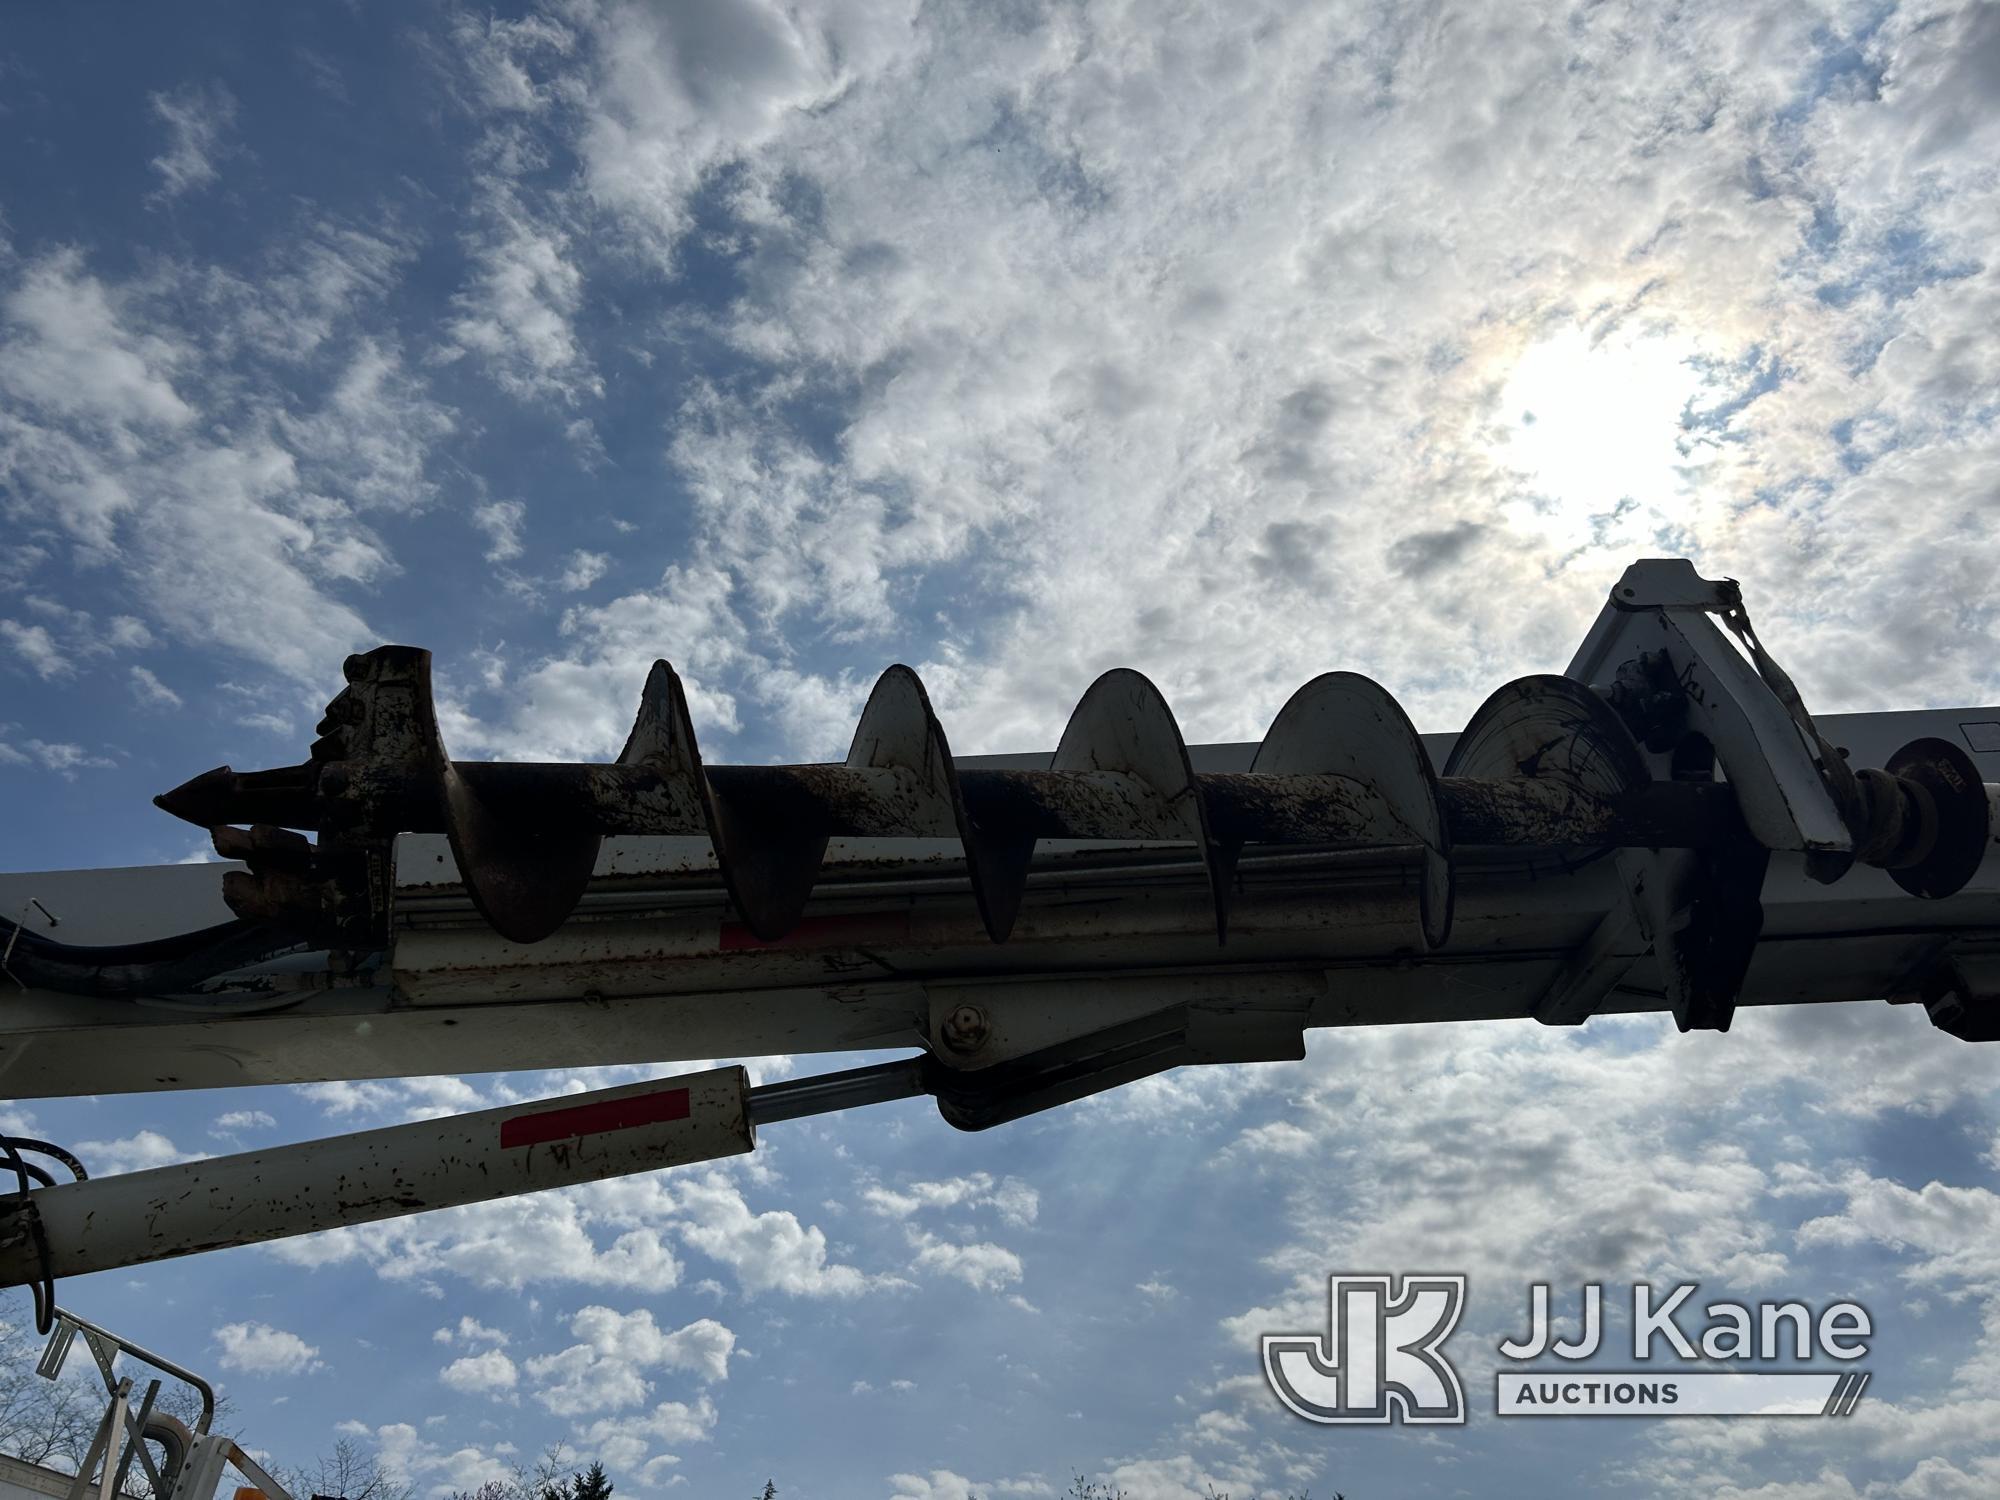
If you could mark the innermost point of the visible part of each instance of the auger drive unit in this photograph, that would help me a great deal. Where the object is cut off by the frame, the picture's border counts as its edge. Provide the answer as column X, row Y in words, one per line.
column 1663, row 827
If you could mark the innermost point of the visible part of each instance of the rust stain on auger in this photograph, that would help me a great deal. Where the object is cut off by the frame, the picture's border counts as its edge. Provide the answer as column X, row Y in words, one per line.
column 1546, row 762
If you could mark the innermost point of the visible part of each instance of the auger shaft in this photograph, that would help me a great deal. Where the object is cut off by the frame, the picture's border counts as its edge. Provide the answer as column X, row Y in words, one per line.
column 837, row 802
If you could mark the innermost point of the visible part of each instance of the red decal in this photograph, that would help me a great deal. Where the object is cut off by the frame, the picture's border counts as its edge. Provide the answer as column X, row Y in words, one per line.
column 591, row 1119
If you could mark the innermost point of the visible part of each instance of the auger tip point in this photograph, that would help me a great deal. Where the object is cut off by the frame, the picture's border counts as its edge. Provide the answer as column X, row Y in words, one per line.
column 193, row 800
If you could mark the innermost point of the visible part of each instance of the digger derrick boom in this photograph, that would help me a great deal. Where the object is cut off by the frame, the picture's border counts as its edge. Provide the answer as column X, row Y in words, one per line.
column 1663, row 827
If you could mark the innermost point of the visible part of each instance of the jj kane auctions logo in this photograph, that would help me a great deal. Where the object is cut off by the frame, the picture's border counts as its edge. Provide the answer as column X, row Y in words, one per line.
column 1381, row 1358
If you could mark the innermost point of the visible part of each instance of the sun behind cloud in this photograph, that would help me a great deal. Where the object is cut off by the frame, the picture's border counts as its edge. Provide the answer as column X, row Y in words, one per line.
column 1596, row 426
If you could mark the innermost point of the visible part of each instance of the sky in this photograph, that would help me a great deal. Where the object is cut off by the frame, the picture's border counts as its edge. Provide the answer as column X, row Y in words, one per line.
column 1016, row 342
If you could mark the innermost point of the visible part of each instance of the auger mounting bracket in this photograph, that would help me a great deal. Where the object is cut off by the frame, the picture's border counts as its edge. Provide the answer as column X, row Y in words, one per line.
column 1795, row 792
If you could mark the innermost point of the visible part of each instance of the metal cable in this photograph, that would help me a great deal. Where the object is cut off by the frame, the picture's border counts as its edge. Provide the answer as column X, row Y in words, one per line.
column 46, row 1148
column 158, row 966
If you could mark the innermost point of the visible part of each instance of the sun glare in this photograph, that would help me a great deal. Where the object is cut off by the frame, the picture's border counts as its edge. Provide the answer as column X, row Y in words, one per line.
column 1594, row 431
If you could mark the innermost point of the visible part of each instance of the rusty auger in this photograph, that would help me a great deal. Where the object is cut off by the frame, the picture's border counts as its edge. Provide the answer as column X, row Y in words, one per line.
column 1546, row 762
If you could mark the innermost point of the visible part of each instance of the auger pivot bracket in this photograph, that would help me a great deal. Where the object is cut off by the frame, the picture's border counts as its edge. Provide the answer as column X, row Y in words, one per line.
column 1925, row 817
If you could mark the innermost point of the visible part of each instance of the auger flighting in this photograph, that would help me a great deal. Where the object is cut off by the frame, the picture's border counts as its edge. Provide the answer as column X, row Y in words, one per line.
column 1547, row 762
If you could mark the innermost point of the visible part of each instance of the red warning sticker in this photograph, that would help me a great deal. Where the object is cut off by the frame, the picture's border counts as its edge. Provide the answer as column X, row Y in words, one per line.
column 633, row 1110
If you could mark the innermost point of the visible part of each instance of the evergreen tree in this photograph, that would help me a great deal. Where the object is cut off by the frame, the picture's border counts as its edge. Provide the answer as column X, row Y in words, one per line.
column 591, row 1484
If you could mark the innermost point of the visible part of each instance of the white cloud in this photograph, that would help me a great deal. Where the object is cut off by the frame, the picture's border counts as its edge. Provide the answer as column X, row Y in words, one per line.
column 984, row 1267
column 576, row 1382
column 409, row 1458
column 374, row 431
column 1277, row 1138
column 485, row 1374
column 54, row 647
column 583, row 569
column 231, row 1121
column 659, row 1471
column 196, row 118
column 768, row 1251
column 605, row 1372
column 231, row 509
column 470, row 1331
column 501, row 56
column 133, row 1153
column 151, row 692
column 940, row 1484
column 501, row 521
column 1951, row 1233
column 517, row 316
column 409, row 1098
column 345, row 1097
column 74, row 353
column 510, row 1243
column 943, row 1484
column 1410, row 289
column 701, row 1348
column 37, row 648
column 1220, row 1427
column 60, row 757
column 677, row 93
column 260, row 1349
column 624, row 1441
column 1016, row 1202
column 1181, row 1477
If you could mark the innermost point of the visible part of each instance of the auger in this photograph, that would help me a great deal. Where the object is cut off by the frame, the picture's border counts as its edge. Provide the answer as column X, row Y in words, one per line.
column 1662, row 827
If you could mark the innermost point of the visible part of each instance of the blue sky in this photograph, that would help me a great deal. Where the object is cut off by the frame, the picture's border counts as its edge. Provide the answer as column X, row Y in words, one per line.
column 1233, row 344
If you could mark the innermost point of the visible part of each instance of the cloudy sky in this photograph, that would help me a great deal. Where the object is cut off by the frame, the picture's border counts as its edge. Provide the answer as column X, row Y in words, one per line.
column 1014, row 341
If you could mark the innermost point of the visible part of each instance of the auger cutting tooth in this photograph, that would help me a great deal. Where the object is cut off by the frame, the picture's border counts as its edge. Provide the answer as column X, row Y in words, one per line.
column 269, row 847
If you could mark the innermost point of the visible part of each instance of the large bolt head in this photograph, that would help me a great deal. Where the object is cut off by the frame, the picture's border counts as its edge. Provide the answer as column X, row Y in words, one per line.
column 965, row 1029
